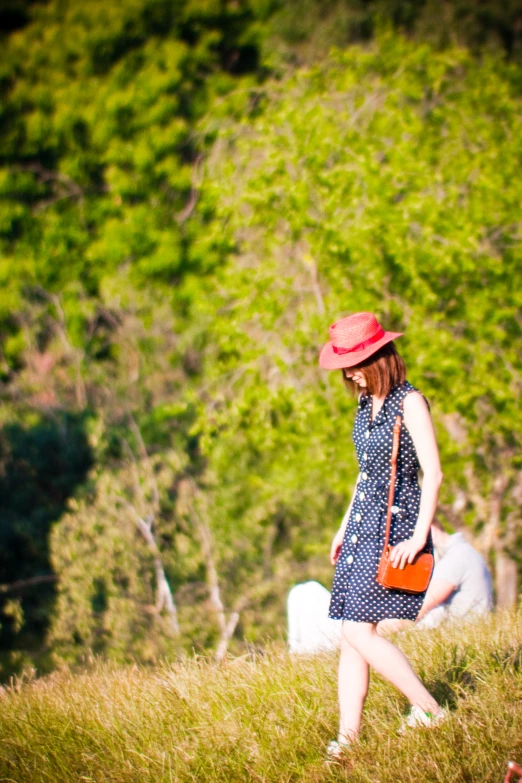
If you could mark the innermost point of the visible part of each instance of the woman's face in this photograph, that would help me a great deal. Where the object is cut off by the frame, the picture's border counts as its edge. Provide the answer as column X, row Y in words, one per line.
column 356, row 376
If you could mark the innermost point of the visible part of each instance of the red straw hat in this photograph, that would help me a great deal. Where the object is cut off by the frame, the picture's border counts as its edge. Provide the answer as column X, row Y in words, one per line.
column 354, row 339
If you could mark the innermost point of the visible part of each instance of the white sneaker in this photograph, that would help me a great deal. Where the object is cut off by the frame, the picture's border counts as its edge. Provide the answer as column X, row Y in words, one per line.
column 417, row 717
column 336, row 750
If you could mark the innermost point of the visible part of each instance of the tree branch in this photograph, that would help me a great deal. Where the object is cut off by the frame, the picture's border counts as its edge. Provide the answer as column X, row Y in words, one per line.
column 230, row 627
column 164, row 597
column 69, row 188
column 61, row 327
column 194, row 192
column 21, row 584
column 205, row 538
column 145, row 456
column 189, row 491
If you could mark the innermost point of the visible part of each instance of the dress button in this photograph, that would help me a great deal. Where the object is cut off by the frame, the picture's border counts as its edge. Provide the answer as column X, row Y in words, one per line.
column 364, row 476
column 366, row 434
column 354, row 539
column 358, row 517
column 365, row 456
column 361, row 495
column 349, row 559
column 394, row 509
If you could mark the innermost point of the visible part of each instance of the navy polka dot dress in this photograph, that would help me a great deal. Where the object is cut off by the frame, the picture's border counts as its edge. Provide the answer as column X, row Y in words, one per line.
column 356, row 594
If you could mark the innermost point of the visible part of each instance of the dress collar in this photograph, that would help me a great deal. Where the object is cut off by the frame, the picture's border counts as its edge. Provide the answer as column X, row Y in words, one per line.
column 384, row 411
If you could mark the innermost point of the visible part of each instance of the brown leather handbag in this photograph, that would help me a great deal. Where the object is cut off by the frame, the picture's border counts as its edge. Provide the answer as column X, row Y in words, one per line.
column 414, row 577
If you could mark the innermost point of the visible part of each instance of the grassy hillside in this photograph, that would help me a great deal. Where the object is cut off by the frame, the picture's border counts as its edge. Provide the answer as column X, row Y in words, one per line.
column 267, row 718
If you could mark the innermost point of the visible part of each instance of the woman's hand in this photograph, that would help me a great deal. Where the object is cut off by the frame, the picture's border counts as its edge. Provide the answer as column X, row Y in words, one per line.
column 405, row 552
column 337, row 542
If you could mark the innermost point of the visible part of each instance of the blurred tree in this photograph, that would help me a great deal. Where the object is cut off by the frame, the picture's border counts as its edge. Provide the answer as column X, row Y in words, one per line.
column 306, row 29
column 42, row 462
column 393, row 188
column 177, row 231
column 113, row 596
column 15, row 14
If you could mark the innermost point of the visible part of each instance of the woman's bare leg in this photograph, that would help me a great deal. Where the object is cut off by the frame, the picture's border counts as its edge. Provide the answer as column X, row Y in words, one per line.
column 353, row 688
column 389, row 661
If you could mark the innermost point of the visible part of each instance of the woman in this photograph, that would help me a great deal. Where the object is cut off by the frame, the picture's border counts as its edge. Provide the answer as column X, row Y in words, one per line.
column 369, row 361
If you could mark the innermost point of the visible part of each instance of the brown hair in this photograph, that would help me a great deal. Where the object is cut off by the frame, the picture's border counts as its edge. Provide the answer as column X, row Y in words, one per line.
column 383, row 370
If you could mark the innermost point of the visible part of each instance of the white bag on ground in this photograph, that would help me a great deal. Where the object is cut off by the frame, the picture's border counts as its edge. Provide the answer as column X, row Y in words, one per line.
column 310, row 630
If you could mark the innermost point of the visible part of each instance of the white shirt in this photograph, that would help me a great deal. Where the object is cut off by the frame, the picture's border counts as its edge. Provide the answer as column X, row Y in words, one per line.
column 464, row 567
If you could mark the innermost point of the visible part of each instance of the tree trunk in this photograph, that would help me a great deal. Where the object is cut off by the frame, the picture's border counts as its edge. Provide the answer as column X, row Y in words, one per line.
column 164, row 598
column 226, row 625
column 505, row 581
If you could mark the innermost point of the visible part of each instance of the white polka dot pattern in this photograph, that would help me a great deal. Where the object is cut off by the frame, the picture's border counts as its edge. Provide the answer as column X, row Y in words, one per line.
column 356, row 594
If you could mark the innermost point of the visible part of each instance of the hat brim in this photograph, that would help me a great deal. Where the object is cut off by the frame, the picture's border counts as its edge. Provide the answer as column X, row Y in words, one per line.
column 329, row 360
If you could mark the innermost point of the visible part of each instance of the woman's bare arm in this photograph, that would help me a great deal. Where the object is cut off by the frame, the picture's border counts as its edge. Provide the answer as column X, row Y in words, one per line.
column 420, row 426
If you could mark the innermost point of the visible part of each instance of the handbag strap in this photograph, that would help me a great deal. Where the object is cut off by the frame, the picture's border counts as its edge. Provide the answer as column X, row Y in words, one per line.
column 393, row 474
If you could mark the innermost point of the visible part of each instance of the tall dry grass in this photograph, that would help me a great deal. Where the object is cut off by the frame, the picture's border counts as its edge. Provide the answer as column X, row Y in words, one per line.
column 268, row 717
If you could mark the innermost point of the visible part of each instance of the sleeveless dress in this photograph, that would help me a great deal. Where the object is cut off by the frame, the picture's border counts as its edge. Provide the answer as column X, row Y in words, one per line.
column 356, row 594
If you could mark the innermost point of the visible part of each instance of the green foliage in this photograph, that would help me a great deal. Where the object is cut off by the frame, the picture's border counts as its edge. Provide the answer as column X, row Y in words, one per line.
column 392, row 188
column 86, row 186
column 308, row 29
column 42, row 461
column 269, row 718
column 177, row 230
column 96, row 176
column 108, row 607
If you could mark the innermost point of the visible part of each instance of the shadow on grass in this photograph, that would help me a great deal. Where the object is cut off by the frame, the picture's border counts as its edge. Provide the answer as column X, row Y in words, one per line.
column 458, row 676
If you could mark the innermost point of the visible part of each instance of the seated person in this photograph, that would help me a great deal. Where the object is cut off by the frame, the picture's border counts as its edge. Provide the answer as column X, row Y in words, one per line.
column 460, row 586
